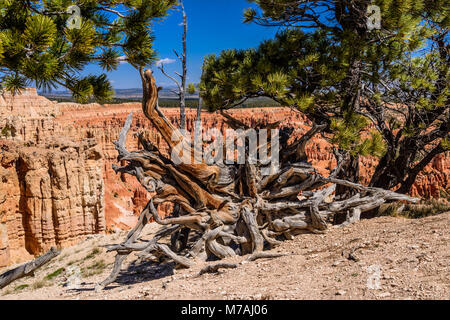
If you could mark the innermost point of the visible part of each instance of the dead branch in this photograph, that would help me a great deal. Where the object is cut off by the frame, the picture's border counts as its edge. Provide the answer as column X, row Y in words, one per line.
column 28, row 268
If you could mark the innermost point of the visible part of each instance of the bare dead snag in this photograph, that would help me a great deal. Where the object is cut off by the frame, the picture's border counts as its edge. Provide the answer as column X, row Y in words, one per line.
column 28, row 268
column 231, row 209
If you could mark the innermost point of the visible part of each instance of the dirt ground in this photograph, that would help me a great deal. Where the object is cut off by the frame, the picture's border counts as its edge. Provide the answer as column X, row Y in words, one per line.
column 381, row 258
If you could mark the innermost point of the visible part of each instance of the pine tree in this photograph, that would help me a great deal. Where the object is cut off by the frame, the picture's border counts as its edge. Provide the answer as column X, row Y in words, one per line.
column 326, row 61
column 48, row 43
column 409, row 104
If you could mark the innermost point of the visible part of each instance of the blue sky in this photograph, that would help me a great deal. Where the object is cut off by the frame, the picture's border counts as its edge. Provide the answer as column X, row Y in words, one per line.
column 213, row 25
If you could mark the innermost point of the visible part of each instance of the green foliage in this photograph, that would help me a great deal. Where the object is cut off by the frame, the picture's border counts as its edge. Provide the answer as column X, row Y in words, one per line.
column 36, row 44
column 96, row 268
column 14, row 83
column 347, row 134
column 40, row 32
column 277, row 69
column 326, row 63
column 414, row 211
column 21, row 287
column 347, row 131
column 446, row 143
column 54, row 274
column 92, row 254
column 191, row 89
column 6, row 131
column 249, row 15
column 109, row 60
column 41, row 284
column 373, row 146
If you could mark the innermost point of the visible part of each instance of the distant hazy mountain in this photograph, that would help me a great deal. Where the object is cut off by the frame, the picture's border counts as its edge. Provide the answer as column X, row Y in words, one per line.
column 165, row 93
column 167, row 98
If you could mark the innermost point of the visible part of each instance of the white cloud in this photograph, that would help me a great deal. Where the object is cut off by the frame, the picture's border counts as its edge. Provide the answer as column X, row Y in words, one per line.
column 122, row 60
column 165, row 61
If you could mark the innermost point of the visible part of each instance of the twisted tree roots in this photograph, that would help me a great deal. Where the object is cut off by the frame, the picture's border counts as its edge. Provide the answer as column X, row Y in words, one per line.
column 222, row 211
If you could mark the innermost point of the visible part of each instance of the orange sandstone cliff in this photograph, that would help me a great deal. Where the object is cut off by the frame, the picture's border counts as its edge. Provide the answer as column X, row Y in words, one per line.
column 56, row 179
column 51, row 186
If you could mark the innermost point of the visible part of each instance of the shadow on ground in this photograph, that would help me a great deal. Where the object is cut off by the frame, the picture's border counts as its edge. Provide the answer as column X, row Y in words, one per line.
column 144, row 272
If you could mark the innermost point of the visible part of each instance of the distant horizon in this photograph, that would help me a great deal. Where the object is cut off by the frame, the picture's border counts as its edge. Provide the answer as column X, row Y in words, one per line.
column 165, row 93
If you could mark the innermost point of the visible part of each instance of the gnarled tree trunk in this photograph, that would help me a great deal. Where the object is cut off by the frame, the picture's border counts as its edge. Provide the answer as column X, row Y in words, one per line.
column 230, row 204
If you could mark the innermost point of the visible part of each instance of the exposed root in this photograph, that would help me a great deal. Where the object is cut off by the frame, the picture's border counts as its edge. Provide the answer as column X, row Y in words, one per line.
column 215, row 268
column 264, row 255
column 229, row 210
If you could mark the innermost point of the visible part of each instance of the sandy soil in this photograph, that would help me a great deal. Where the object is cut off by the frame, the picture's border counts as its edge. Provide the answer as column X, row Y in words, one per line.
column 412, row 257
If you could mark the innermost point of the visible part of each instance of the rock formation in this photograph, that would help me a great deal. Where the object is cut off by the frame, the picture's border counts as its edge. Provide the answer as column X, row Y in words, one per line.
column 53, row 195
column 51, row 187
column 32, row 123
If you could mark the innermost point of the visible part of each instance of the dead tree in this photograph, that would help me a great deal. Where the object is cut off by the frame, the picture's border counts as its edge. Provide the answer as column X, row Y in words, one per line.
column 181, row 92
column 27, row 269
column 230, row 209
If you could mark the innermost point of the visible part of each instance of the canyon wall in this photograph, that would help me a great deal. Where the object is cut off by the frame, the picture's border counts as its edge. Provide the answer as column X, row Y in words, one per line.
column 125, row 198
column 51, row 187
column 97, row 199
